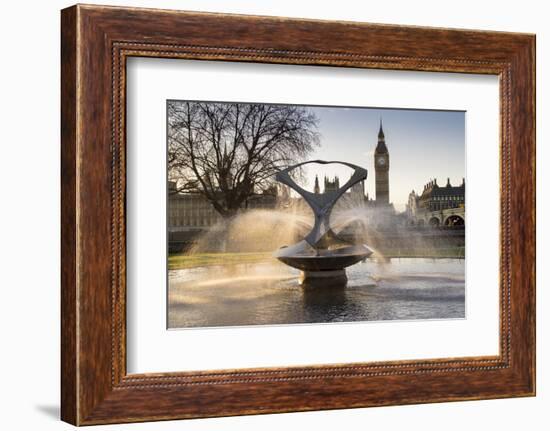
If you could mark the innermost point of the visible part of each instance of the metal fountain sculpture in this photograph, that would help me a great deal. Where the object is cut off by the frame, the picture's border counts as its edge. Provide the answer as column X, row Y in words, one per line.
column 322, row 255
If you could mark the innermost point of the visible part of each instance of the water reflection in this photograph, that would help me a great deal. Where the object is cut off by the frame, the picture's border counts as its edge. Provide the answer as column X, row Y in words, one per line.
column 268, row 294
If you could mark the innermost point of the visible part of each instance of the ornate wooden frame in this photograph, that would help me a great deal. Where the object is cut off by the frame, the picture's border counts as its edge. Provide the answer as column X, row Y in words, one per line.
column 95, row 42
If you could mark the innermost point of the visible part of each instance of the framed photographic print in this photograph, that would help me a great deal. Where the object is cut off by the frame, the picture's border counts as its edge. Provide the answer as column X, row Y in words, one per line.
column 267, row 215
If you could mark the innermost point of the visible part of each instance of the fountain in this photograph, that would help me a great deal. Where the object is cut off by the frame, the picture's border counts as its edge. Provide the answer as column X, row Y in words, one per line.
column 322, row 255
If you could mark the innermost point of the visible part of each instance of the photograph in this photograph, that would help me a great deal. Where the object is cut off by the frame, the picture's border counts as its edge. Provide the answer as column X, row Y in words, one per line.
column 282, row 214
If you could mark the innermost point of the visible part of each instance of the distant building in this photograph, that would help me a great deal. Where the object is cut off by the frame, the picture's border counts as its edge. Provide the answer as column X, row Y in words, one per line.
column 382, row 169
column 355, row 196
column 357, row 190
column 331, row 186
column 187, row 211
column 316, row 188
column 435, row 198
column 191, row 213
column 437, row 205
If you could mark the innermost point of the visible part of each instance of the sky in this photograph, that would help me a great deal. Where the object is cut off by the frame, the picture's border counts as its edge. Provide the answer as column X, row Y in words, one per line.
column 422, row 145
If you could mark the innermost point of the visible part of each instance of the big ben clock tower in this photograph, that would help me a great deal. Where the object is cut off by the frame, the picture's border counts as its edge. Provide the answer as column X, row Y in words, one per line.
column 381, row 169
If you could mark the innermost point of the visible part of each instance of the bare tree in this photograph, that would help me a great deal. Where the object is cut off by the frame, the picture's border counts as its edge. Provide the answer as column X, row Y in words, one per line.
column 229, row 151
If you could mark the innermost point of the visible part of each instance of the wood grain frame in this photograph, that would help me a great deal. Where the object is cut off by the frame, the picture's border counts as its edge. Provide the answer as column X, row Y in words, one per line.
column 96, row 42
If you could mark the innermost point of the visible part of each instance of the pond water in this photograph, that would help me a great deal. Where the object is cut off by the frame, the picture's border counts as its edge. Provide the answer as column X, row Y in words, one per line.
column 270, row 294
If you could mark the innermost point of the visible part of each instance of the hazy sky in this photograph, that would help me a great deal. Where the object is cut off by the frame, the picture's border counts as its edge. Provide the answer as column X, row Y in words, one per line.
column 422, row 145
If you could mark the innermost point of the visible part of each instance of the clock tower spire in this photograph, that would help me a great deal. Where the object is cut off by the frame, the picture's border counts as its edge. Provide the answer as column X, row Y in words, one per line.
column 381, row 169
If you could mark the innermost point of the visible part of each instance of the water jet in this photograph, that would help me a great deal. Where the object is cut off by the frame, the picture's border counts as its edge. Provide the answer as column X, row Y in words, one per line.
column 322, row 255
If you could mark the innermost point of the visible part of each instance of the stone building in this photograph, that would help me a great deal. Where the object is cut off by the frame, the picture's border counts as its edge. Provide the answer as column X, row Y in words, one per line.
column 193, row 210
column 437, row 205
column 382, row 169
column 191, row 213
column 356, row 192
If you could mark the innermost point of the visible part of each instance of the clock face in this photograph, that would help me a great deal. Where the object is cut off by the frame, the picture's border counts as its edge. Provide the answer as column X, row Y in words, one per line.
column 381, row 161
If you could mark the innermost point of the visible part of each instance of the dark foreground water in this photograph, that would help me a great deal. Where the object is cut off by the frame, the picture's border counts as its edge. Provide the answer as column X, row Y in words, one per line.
column 270, row 294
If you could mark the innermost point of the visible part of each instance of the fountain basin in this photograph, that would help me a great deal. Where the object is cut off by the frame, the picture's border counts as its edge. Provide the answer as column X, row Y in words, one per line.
column 304, row 257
